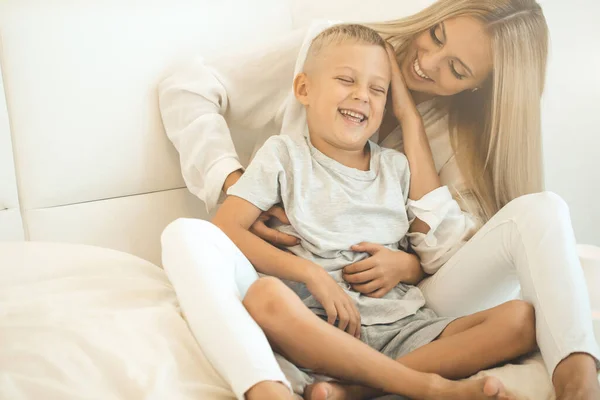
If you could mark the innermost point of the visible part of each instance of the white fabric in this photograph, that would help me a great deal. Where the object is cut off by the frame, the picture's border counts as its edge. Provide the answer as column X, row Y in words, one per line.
column 306, row 11
column 81, row 123
column 526, row 244
column 590, row 260
column 80, row 322
column 131, row 224
column 82, row 102
column 212, row 277
column 11, row 226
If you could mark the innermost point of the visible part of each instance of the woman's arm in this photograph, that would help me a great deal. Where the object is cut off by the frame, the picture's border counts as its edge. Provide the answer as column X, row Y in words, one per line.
column 452, row 224
column 440, row 227
column 424, row 177
column 199, row 101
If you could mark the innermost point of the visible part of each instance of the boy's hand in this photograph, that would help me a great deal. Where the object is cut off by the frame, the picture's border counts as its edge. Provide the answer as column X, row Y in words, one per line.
column 336, row 303
column 261, row 228
column 377, row 275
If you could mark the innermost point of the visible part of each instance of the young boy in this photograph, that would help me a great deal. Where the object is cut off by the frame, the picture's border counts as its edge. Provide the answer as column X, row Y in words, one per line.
column 340, row 189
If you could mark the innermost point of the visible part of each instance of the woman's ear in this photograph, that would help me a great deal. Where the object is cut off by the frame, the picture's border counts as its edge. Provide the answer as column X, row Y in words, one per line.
column 301, row 88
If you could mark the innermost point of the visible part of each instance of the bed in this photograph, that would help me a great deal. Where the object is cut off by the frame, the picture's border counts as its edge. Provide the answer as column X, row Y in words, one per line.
column 88, row 180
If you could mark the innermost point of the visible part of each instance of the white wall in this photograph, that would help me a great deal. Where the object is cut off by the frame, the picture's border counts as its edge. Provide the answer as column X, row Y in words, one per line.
column 571, row 113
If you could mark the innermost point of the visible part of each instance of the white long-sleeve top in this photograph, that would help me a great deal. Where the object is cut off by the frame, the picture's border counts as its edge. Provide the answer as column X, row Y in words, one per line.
column 254, row 91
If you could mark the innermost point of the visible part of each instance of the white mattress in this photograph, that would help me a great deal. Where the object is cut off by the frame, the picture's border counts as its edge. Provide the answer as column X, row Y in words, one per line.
column 81, row 322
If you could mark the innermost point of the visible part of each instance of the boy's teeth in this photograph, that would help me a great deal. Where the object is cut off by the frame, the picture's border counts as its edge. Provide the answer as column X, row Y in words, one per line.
column 353, row 114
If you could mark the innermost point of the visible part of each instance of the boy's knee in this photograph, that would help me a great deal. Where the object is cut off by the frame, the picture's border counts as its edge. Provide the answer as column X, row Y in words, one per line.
column 267, row 298
column 520, row 318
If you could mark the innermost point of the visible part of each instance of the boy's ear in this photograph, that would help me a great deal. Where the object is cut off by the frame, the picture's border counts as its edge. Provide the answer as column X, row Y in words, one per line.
column 301, row 88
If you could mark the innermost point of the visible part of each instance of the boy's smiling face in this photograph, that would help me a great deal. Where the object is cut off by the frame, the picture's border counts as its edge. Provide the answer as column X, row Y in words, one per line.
column 344, row 88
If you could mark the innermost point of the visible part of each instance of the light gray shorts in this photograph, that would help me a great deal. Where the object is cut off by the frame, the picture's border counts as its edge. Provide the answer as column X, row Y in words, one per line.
column 408, row 334
column 403, row 336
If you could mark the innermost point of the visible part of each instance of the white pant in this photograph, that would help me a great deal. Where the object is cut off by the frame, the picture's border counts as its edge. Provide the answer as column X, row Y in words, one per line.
column 528, row 246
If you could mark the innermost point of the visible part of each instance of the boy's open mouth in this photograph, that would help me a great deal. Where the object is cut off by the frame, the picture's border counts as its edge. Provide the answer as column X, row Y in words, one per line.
column 353, row 116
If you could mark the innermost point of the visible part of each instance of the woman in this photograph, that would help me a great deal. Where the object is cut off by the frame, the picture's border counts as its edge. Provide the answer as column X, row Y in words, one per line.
column 476, row 70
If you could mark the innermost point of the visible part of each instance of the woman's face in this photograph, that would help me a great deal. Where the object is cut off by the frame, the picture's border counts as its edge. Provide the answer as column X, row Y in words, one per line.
column 453, row 56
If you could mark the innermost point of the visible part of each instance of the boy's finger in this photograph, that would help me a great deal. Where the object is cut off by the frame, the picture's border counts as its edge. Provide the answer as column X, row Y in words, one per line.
column 331, row 313
column 361, row 277
column 360, row 266
column 355, row 320
column 370, row 248
column 353, row 324
column 369, row 287
column 343, row 317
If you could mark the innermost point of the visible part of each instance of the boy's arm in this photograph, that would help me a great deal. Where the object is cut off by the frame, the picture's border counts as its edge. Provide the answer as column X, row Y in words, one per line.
column 235, row 217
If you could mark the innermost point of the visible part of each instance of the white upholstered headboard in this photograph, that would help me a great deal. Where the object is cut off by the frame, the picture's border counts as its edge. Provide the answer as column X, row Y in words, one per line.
column 83, row 155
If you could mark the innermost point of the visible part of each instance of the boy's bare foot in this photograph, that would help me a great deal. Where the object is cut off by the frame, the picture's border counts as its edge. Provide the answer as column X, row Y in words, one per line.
column 482, row 389
column 330, row 391
column 269, row 390
column 576, row 378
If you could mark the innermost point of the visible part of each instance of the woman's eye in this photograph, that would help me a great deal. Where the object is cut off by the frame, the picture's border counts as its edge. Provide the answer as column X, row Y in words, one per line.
column 455, row 72
column 434, row 35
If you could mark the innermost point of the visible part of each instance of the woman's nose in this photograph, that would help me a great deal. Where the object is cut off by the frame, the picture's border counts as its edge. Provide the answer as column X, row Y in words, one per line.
column 431, row 61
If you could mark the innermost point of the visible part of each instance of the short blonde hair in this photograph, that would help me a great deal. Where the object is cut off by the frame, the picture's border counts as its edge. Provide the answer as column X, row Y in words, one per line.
column 344, row 33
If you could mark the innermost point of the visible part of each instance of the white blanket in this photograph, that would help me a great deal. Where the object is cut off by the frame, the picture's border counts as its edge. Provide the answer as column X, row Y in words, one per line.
column 80, row 322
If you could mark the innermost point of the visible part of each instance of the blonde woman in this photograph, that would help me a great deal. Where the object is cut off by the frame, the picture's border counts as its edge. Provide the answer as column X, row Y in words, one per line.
column 476, row 71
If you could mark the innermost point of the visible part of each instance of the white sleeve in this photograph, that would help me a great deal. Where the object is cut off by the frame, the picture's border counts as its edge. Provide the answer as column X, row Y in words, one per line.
column 450, row 226
column 199, row 101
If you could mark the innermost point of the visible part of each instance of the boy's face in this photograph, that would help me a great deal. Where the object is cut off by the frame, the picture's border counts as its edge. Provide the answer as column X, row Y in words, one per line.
column 344, row 90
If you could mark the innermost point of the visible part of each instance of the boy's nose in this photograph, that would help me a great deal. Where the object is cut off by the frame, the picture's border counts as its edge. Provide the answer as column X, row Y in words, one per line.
column 361, row 94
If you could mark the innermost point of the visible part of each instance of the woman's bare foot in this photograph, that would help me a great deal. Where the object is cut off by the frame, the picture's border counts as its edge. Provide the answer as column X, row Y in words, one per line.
column 576, row 378
column 269, row 390
column 482, row 389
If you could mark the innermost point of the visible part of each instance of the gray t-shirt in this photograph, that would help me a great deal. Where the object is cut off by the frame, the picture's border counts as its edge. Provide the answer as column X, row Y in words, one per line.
column 332, row 207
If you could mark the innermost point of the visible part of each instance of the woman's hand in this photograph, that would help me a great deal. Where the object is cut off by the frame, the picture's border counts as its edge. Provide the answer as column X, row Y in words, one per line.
column 382, row 271
column 335, row 301
column 402, row 101
column 261, row 228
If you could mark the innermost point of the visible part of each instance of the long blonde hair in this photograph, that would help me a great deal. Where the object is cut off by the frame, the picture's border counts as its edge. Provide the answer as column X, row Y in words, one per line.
column 495, row 131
